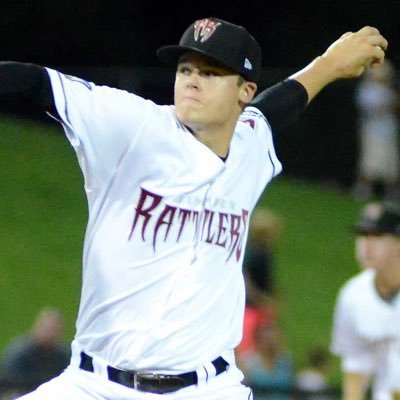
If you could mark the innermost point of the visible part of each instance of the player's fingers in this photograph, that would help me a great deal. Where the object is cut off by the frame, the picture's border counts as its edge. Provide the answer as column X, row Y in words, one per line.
column 377, row 41
column 379, row 52
column 367, row 35
column 368, row 30
column 378, row 55
column 382, row 43
column 373, row 36
column 346, row 34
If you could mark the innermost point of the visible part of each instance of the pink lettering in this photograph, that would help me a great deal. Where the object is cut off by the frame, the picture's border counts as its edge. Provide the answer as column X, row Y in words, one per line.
column 210, row 216
column 141, row 211
column 235, row 233
column 245, row 215
column 183, row 214
column 165, row 218
column 221, row 229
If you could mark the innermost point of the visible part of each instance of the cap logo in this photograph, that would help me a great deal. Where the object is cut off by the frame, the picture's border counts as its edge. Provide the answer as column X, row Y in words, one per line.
column 204, row 29
column 247, row 64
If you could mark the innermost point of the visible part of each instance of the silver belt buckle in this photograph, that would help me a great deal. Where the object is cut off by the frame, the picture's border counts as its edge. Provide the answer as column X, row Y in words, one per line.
column 155, row 383
column 149, row 375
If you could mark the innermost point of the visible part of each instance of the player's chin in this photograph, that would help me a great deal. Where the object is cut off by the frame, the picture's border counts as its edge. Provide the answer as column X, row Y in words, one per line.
column 187, row 116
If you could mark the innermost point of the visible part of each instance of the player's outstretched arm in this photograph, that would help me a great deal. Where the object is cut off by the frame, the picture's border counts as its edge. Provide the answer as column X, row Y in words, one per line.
column 347, row 57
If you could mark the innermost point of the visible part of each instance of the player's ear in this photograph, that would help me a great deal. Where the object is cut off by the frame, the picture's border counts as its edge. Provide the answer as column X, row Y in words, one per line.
column 247, row 91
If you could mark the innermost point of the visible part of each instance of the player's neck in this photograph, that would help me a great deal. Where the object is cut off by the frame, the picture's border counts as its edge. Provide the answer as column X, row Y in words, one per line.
column 387, row 285
column 217, row 139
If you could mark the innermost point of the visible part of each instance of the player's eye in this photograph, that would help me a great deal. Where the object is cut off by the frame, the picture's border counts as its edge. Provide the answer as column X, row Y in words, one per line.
column 208, row 73
column 183, row 69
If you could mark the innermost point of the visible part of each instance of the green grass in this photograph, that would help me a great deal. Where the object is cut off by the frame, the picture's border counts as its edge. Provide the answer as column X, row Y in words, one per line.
column 43, row 217
column 42, row 214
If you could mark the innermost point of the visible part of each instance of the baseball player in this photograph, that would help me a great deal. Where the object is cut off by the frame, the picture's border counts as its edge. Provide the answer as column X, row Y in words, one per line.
column 366, row 326
column 170, row 191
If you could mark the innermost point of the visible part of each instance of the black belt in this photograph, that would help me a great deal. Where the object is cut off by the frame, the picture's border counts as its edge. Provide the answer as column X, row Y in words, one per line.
column 148, row 382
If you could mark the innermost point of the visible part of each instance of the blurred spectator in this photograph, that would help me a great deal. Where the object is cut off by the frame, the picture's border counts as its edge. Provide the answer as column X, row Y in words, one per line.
column 252, row 318
column 269, row 366
column 312, row 382
column 37, row 356
column 377, row 101
column 266, row 229
column 366, row 324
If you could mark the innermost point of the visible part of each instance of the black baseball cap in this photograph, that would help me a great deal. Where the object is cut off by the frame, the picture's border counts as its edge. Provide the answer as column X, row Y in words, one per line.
column 229, row 44
column 379, row 218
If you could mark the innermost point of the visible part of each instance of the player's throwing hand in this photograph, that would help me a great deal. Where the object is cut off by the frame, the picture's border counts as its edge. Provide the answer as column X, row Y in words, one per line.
column 347, row 57
column 354, row 52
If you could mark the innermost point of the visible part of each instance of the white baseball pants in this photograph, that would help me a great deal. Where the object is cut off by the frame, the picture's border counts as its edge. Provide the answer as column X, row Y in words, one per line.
column 77, row 384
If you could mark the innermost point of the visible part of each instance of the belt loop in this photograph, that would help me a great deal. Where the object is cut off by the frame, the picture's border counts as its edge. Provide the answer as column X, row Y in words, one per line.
column 220, row 364
column 202, row 375
column 86, row 362
column 210, row 370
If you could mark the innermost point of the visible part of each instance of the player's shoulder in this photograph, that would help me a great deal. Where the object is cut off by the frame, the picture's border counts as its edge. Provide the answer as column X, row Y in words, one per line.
column 124, row 102
column 252, row 117
column 74, row 85
column 359, row 285
column 251, row 112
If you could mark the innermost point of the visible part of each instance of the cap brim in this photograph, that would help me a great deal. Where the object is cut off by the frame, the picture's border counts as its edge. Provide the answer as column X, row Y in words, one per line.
column 365, row 229
column 170, row 55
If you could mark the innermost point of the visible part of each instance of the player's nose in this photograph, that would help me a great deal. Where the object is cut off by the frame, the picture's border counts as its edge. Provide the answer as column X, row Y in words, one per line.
column 192, row 80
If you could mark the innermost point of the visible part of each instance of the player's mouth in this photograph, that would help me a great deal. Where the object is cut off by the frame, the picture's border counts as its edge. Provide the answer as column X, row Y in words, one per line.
column 191, row 99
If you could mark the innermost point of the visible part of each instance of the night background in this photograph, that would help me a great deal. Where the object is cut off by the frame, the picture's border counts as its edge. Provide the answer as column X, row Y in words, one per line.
column 98, row 33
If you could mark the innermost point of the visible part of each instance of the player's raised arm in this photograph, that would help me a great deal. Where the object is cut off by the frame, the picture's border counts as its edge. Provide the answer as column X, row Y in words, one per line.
column 347, row 57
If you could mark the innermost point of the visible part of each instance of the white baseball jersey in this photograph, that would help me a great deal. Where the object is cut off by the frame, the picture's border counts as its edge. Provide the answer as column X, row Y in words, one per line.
column 366, row 333
column 168, row 220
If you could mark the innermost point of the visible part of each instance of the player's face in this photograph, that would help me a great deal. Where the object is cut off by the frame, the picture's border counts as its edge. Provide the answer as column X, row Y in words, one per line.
column 207, row 95
column 378, row 251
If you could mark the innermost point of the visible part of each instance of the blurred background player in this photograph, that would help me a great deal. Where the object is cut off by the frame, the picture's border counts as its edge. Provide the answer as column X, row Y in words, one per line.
column 37, row 356
column 366, row 326
column 378, row 104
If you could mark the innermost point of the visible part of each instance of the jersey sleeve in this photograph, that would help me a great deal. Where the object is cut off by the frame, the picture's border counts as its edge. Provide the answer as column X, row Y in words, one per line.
column 346, row 343
column 255, row 119
column 100, row 122
column 282, row 104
